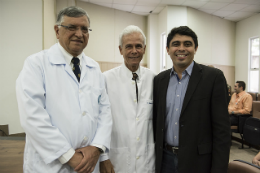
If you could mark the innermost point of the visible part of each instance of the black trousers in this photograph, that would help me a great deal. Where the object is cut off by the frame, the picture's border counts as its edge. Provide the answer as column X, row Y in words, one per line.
column 234, row 120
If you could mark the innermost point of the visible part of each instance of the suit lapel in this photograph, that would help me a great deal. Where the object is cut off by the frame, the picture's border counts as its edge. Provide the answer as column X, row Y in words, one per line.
column 193, row 83
column 163, row 86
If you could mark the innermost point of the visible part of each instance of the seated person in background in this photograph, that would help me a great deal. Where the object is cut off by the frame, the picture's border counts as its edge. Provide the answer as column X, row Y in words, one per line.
column 240, row 103
column 256, row 159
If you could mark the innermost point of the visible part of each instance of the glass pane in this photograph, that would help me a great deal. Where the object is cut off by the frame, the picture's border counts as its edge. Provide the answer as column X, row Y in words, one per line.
column 255, row 62
column 255, row 47
column 254, row 54
column 254, row 81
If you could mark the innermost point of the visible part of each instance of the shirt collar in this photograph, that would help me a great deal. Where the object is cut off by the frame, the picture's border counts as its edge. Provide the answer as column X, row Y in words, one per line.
column 129, row 73
column 241, row 93
column 188, row 70
column 68, row 57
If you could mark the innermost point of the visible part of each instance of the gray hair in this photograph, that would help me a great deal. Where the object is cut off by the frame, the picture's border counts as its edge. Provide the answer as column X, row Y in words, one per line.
column 71, row 12
column 129, row 30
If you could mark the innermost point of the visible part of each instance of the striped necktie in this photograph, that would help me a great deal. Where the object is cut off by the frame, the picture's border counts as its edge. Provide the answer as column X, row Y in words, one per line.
column 76, row 68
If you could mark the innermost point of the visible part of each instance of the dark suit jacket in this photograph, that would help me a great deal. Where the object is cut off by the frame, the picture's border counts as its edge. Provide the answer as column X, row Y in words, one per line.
column 204, row 131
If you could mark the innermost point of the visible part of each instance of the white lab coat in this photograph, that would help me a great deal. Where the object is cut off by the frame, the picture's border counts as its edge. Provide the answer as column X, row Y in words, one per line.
column 58, row 113
column 132, row 142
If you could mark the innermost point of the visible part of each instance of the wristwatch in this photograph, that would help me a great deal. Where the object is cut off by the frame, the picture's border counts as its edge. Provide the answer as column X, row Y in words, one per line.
column 100, row 150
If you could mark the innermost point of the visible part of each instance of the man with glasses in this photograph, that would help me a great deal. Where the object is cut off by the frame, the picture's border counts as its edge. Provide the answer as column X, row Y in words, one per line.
column 63, row 105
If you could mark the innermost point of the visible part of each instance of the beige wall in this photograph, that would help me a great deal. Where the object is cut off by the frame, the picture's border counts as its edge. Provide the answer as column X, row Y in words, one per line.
column 245, row 30
column 107, row 24
column 229, row 72
column 49, row 19
column 216, row 38
column 217, row 41
column 153, row 43
column 20, row 36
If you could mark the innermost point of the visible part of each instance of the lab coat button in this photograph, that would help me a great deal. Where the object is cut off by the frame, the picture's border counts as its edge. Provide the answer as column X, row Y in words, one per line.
column 85, row 138
column 138, row 138
column 137, row 157
column 137, row 119
column 134, row 100
column 84, row 113
column 80, row 91
column 133, row 82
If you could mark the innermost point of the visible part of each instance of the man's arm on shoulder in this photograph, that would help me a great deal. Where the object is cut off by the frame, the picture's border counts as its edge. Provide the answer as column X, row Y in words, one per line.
column 220, row 125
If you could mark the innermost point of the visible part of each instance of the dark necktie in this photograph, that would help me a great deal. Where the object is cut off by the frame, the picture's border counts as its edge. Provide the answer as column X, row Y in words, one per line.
column 135, row 76
column 76, row 68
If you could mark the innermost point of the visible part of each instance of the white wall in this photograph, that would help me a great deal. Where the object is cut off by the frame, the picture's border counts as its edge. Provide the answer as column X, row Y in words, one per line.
column 245, row 30
column 21, row 36
column 153, row 43
column 49, row 19
column 176, row 16
column 162, row 23
column 216, row 38
column 107, row 24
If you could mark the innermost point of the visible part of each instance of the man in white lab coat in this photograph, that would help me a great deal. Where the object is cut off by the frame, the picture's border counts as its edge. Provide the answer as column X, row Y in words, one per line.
column 130, row 91
column 63, row 105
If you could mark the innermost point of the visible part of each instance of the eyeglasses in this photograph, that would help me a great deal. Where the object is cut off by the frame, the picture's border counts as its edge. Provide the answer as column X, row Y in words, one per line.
column 73, row 28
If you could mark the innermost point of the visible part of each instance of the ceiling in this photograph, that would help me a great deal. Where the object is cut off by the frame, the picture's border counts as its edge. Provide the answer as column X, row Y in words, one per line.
column 234, row 10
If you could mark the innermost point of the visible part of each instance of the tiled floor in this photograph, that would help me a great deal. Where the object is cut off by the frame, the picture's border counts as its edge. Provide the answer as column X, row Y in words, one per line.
column 241, row 154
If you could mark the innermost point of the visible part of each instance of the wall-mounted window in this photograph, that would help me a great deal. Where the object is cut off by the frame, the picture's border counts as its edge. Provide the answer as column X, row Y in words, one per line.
column 254, row 64
column 163, row 52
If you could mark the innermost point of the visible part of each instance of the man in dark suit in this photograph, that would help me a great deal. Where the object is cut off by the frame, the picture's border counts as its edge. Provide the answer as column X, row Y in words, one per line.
column 191, row 122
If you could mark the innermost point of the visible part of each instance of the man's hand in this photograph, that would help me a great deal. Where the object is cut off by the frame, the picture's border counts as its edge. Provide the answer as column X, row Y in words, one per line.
column 90, row 157
column 106, row 167
column 256, row 159
column 75, row 160
column 234, row 112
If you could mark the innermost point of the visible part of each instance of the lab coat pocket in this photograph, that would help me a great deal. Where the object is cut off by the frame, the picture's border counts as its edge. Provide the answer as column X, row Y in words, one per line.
column 95, row 96
column 150, row 158
column 120, row 159
column 149, row 109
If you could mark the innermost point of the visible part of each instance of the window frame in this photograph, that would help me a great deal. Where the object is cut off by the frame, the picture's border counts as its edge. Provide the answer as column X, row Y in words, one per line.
column 163, row 53
column 249, row 64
